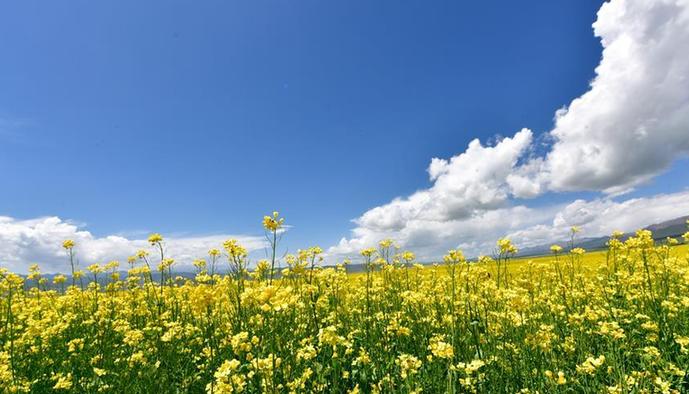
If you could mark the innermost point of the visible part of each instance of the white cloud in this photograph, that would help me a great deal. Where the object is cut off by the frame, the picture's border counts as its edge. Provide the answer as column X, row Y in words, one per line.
column 634, row 121
column 431, row 239
column 600, row 217
column 463, row 186
column 468, row 204
column 630, row 126
column 23, row 242
column 526, row 226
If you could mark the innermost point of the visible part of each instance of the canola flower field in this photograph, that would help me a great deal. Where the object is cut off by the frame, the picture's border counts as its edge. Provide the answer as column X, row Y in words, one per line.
column 615, row 321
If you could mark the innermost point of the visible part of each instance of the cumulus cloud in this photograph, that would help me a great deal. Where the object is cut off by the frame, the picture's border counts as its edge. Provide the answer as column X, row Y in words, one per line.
column 634, row 120
column 600, row 217
column 526, row 226
column 467, row 204
column 23, row 242
column 432, row 238
column 468, row 183
column 629, row 126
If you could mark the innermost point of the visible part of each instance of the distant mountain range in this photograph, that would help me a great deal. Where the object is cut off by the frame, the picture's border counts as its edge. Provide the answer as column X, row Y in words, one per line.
column 671, row 228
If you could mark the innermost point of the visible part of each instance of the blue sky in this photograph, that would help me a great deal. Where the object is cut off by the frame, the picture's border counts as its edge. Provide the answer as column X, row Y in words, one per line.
column 195, row 118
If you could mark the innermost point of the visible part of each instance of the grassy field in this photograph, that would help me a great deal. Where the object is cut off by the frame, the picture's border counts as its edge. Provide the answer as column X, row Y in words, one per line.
column 614, row 321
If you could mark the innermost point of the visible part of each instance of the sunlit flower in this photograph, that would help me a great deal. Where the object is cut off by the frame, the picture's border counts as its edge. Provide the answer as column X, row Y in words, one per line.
column 155, row 238
column 389, row 325
column 165, row 264
column 273, row 223
column 506, row 247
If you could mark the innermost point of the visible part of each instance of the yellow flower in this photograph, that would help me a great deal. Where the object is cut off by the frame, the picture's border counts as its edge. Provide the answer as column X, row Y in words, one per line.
column 155, row 238
column 199, row 263
column 34, row 272
column 58, row 279
column 454, row 256
column 95, row 268
column 234, row 249
column 561, row 378
column 408, row 256
column 386, row 243
column 273, row 223
column 590, row 365
column 441, row 349
column 506, row 247
column 368, row 252
column 683, row 342
column 408, row 365
column 68, row 244
column 306, row 353
column 578, row 251
column 62, row 382
column 165, row 264
column 556, row 249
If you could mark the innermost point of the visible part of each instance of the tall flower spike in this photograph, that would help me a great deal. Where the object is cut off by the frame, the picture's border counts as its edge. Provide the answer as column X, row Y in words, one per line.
column 274, row 222
column 155, row 238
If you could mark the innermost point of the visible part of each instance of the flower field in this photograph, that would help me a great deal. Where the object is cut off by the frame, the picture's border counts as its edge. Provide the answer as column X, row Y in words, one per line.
column 612, row 321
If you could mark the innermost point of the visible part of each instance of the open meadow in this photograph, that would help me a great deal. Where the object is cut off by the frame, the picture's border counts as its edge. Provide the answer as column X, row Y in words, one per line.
column 608, row 321
column 475, row 197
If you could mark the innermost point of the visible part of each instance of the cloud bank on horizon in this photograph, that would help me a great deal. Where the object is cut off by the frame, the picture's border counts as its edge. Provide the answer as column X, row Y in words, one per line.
column 23, row 242
column 628, row 127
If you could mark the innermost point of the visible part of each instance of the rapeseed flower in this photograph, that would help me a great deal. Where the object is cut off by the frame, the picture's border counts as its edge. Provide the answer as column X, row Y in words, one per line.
column 397, row 326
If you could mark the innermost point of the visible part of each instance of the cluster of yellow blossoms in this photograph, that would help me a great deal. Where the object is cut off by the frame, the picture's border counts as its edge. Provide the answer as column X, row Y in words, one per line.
column 612, row 321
